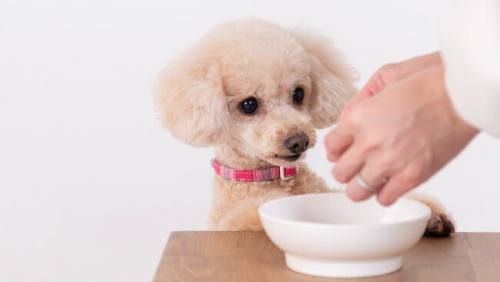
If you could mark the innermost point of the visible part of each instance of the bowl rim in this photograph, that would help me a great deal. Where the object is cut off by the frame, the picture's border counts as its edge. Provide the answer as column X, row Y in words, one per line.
column 262, row 213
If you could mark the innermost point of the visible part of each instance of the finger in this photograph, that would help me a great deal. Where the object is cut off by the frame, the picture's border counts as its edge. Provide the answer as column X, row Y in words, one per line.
column 396, row 187
column 356, row 192
column 363, row 94
column 400, row 183
column 392, row 72
column 373, row 174
column 375, row 84
column 336, row 144
column 349, row 164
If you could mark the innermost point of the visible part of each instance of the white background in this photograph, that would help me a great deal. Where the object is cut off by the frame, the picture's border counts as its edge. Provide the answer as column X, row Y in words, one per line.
column 91, row 186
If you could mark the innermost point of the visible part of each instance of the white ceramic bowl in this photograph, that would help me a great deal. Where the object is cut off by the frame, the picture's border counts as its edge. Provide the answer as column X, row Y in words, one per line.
column 331, row 236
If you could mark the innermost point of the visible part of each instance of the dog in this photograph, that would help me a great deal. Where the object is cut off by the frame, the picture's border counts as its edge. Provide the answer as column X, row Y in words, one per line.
column 257, row 93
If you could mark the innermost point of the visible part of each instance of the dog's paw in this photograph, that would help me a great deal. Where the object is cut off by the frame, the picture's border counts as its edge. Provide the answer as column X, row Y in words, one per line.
column 439, row 225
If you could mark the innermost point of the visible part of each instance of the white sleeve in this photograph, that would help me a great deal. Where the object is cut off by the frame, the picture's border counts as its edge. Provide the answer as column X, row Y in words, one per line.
column 470, row 48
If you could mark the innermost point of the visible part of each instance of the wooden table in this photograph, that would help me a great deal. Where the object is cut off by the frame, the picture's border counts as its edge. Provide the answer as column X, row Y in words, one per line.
column 251, row 256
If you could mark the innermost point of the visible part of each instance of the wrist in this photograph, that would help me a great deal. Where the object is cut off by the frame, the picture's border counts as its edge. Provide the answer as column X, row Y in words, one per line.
column 467, row 128
column 435, row 82
column 464, row 126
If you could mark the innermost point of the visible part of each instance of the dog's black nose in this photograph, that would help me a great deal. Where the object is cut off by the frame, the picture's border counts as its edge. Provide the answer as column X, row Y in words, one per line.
column 297, row 143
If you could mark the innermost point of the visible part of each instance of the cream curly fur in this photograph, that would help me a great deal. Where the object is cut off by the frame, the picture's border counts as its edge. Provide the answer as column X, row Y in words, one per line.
column 199, row 93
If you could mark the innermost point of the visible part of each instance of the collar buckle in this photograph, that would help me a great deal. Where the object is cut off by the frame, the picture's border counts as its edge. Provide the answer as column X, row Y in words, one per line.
column 282, row 173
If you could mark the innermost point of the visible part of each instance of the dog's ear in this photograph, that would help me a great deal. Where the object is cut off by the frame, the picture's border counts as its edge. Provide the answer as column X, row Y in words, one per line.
column 332, row 78
column 190, row 99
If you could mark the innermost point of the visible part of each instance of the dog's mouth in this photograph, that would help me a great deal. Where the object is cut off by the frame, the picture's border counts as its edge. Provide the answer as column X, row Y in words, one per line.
column 290, row 158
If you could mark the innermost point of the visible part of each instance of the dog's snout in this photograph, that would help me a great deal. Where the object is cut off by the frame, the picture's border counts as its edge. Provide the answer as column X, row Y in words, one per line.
column 297, row 143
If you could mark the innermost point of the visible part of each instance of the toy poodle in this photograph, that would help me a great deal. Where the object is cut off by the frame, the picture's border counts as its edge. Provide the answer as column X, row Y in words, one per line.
column 257, row 92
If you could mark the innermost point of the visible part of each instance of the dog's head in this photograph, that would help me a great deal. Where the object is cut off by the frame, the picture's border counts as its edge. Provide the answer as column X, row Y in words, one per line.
column 256, row 87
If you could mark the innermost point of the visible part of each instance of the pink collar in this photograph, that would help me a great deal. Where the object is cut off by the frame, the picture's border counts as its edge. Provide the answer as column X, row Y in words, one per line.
column 271, row 173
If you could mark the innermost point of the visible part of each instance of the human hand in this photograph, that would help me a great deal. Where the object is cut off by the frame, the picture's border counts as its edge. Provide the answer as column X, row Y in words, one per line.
column 404, row 135
column 391, row 73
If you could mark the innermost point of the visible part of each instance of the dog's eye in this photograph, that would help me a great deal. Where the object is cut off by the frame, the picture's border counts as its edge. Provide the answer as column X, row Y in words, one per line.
column 298, row 95
column 249, row 106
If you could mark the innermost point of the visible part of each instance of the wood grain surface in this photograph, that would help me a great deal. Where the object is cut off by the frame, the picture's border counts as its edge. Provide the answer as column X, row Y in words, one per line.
column 251, row 256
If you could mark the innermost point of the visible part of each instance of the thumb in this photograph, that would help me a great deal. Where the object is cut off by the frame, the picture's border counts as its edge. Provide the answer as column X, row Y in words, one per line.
column 363, row 94
column 378, row 81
